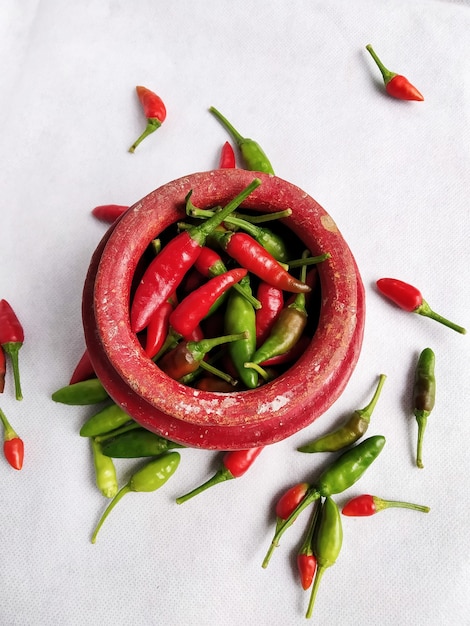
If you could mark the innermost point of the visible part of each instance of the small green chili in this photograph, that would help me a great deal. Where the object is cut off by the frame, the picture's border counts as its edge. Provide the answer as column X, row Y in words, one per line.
column 137, row 443
column 105, row 472
column 424, row 394
column 104, row 421
column 85, row 392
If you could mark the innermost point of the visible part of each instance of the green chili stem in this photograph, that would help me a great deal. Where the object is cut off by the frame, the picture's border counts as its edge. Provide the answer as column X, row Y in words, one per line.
column 152, row 124
column 425, row 310
column 316, row 584
column 219, row 373
column 367, row 411
column 386, row 73
column 219, row 477
column 310, row 496
column 266, row 217
column 310, row 260
column 254, row 366
column 122, row 492
column 386, row 504
column 239, row 139
column 9, row 432
column 12, row 348
column 422, row 419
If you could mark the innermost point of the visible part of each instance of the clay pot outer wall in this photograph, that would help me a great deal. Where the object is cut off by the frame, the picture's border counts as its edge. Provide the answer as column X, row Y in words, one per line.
column 215, row 420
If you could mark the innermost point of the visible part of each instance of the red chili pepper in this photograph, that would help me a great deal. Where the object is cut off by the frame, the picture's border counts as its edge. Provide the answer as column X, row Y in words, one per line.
column 252, row 255
column 212, row 383
column 84, row 369
column 3, row 369
column 154, row 111
column 157, row 330
column 13, row 447
column 365, row 505
column 396, row 85
column 196, row 305
column 168, row 268
column 409, row 299
column 306, row 560
column 290, row 500
column 109, row 212
column 11, row 340
column 227, row 157
column 235, row 464
column 272, row 303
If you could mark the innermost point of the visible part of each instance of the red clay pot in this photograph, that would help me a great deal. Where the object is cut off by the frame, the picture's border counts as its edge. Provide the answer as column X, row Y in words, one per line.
column 219, row 420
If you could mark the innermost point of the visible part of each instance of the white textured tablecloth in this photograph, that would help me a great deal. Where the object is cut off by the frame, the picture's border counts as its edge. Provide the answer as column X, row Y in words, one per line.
column 394, row 175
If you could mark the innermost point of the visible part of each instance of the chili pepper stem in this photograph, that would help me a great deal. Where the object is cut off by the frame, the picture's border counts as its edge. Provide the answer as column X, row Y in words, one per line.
column 389, row 504
column 386, row 73
column 239, row 139
column 422, row 419
column 309, row 260
column 367, row 411
column 12, row 348
column 425, row 310
column 122, row 492
column 310, row 497
column 219, row 373
column 219, row 477
column 254, row 366
column 9, row 432
column 152, row 124
column 313, row 595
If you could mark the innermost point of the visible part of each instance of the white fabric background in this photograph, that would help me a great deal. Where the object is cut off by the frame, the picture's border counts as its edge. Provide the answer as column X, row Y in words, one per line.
column 395, row 177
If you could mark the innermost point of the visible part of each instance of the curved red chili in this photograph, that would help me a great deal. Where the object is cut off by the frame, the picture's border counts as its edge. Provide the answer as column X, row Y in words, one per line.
column 252, row 255
column 13, row 446
column 196, row 305
column 396, row 85
column 109, row 212
column 154, row 110
column 84, row 369
column 227, row 156
column 306, row 559
column 11, row 340
column 272, row 303
column 289, row 501
column 157, row 330
column 235, row 464
column 365, row 505
column 410, row 299
column 167, row 269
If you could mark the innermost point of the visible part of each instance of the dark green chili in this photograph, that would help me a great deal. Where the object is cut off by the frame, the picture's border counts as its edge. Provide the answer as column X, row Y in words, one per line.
column 149, row 478
column 82, row 393
column 424, row 394
column 350, row 432
column 105, row 472
column 346, row 470
column 327, row 543
column 109, row 418
column 253, row 155
column 137, row 443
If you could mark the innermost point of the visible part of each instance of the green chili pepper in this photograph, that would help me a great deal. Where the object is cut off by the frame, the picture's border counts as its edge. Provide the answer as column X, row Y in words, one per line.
column 105, row 472
column 350, row 432
column 327, row 544
column 149, row 478
column 346, row 470
column 82, row 393
column 424, row 394
column 254, row 156
column 240, row 317
column 137, row 443
column 104, row 421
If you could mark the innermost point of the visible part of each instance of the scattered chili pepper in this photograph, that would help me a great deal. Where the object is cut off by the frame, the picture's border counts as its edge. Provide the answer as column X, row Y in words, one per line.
column 13, row 446
column 235, row 464
column 306, row 559
column 424, row 395
column 187, row 356
column 253, row 155
column 105, row 472
column 196, row 305
column 158, row 326
column 272, row 303
column 227, row 157
column 11, row 340
column 210, row 264
column 350, row 432
column 167, row 269
column 410, row 299
column 327, row 544
column 240, row 317
column 396, row 85
column 105, row 421
column 346, row 470
column 289, row 501
column 83, row 393
column 257, row 260
column 83, row 370
column 137, row 443
column 213, row 384
column 286, row 330
column 154, row 111
column 109, row 213
column 148, row 478
column 3, row 369
column 365, row 505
